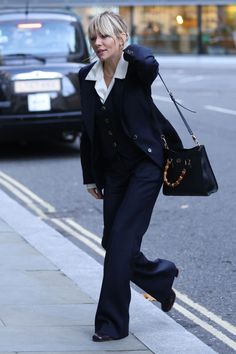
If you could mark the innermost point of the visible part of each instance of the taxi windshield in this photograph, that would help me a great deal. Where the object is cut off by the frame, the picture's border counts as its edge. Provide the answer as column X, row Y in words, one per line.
column 38, row 37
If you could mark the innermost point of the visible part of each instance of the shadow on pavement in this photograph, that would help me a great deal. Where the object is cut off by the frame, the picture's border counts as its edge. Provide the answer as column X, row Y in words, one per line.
column 38, row 149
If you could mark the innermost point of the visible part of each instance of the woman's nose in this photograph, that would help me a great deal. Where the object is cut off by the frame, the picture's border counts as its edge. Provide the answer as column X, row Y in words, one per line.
column 98, row 41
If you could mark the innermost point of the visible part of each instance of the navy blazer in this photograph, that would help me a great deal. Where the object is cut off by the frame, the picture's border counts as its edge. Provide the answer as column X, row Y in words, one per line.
column 141, row 119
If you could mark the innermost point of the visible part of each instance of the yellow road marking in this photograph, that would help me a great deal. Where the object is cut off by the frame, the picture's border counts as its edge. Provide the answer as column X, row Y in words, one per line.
column 23, row 197
column 84, row 231
column 209, row 328
column 226, row 325
column 78, row 236
column 28, row 192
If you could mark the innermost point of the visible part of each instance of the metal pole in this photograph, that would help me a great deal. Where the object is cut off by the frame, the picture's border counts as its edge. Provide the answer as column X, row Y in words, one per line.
column 132, row 29
column 199, row 30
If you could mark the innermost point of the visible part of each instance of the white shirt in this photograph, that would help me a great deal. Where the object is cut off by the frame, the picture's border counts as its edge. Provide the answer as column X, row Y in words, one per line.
column 96, row 74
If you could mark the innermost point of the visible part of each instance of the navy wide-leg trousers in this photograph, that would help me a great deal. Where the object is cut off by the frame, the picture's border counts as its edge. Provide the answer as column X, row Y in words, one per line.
column 129, row 197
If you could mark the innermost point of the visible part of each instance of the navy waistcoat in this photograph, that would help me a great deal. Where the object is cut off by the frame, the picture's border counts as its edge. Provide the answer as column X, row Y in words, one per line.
column 112, row 138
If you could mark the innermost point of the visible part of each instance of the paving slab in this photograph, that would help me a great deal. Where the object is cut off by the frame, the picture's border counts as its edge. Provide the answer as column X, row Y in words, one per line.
column 4, row 227
column 39, row 287
column 51, row 315
column 22, row 255
column 11, row 237
column 60, row 339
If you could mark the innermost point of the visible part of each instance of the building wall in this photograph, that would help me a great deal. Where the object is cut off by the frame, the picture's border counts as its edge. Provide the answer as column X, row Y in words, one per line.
column 107, row 3
column 185, row 29
column 179, row 27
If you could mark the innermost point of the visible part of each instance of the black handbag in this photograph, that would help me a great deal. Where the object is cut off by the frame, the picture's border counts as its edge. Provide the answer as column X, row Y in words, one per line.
column 187, row 172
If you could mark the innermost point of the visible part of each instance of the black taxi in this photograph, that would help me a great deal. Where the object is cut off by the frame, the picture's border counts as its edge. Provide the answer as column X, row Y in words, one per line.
column 41, row 52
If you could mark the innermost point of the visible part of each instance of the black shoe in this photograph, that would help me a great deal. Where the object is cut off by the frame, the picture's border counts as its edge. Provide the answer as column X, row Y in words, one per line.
column 167, row 305
column 101, row 337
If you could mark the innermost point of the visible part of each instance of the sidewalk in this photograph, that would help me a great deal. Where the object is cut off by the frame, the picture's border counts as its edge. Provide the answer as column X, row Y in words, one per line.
column 198, row 61
column 49, row 290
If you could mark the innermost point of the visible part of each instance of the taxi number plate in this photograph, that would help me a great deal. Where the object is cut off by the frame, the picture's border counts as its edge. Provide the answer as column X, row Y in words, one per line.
column 37, row 86
column 39, row 102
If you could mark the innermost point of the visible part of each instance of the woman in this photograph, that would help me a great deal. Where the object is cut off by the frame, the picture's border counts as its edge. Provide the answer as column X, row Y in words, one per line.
column 122, row 163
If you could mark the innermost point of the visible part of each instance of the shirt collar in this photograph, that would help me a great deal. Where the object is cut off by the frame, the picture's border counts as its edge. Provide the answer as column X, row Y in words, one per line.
column 96, row 73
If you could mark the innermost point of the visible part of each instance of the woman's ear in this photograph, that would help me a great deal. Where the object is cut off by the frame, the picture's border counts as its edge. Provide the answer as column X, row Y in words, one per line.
column 123, row 39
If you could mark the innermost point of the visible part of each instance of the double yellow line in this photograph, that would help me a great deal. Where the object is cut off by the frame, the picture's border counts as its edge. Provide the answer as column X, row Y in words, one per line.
column 189, row 308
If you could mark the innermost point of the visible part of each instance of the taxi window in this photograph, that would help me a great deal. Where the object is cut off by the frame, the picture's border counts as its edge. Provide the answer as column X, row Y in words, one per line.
column 38, row 37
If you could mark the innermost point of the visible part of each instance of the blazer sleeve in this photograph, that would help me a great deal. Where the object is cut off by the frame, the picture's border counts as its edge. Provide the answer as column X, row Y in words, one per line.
column 85, row 144
column 143, row 62
column 85, row 155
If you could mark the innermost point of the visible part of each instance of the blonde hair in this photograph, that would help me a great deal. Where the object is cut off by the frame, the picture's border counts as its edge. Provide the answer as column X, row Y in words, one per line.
column 109, row 24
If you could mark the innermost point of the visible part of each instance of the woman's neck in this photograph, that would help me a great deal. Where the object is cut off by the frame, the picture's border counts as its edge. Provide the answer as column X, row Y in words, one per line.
column 110, row 65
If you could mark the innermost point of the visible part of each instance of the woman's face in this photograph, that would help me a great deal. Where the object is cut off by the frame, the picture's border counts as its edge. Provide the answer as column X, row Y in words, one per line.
column 106, row 47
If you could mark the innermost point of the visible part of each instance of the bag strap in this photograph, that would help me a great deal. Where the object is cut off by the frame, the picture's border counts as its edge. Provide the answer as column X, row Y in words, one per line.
column 177, row 104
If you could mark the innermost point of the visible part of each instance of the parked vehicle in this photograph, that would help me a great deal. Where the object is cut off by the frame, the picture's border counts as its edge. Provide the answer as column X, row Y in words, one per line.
column 41, row 52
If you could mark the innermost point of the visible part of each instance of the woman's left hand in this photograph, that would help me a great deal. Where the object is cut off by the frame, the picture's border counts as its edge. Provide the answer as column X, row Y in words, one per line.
column 95, row 193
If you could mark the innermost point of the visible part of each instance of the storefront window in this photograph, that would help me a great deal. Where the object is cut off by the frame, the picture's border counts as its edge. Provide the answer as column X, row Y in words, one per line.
column 219, row 29
column 176, row 29
column 166, row 29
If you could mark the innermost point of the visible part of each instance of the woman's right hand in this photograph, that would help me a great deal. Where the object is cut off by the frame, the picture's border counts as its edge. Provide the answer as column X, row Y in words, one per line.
column 95, row 193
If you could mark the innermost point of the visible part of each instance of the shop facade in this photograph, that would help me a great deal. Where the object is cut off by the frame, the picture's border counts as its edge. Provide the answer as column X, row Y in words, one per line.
column 186, row 29
column 168, row 27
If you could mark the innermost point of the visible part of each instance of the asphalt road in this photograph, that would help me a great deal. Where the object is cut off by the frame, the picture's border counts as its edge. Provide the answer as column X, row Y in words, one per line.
column 197, row 233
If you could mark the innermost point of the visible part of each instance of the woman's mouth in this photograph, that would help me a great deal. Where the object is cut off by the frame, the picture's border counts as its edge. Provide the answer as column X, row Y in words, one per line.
column 100, row 51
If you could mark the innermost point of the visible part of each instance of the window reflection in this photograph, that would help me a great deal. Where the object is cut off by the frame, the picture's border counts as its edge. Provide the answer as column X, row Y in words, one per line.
column 175, row 29
column 219, row 29
column 51, row 37
column 166, row 29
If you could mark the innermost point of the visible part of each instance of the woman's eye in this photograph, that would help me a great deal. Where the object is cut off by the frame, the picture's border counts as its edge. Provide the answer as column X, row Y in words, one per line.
column 102, row 36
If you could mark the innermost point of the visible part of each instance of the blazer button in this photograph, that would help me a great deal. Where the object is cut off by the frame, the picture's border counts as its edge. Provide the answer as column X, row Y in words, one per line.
column 103, row 108
column 107, row 120
column 149, row 150
column 115, row 144
column 130, row 52
column 135, row 137
column 110, row 132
